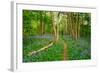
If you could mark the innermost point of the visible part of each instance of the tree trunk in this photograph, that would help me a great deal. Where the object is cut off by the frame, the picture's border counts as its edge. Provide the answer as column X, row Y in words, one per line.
column 41, row 23
column 55, row 26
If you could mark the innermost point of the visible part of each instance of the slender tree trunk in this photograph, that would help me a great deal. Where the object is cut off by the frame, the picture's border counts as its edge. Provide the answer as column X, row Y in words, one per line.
column 41, row 23
column 55, row 26
column 78, row 26
column 68, row 23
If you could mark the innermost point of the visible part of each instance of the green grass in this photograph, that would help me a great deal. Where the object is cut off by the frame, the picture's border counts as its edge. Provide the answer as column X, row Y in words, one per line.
column 77, row 50
column 54, row 53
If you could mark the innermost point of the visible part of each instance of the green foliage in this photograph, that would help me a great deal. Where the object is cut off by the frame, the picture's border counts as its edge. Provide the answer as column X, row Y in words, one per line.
column 38, row 31
column 54, row 53
column 79, row 49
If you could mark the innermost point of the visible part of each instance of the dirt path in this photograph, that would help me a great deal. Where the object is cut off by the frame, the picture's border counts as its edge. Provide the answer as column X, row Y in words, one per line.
column 65, row 54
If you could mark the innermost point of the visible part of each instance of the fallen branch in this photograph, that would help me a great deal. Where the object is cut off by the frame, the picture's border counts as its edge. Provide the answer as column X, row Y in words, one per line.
column 41, row 49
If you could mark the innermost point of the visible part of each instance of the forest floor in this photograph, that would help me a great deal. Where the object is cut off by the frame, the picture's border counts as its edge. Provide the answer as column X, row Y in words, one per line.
column 65, row 49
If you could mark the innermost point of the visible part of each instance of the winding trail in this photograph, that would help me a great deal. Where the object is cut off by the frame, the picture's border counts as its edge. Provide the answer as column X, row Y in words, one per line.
column 65, row 54
column 65, row 48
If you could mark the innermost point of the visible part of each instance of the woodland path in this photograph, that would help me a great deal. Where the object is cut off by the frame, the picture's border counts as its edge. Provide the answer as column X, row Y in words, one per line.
column 65, row 52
